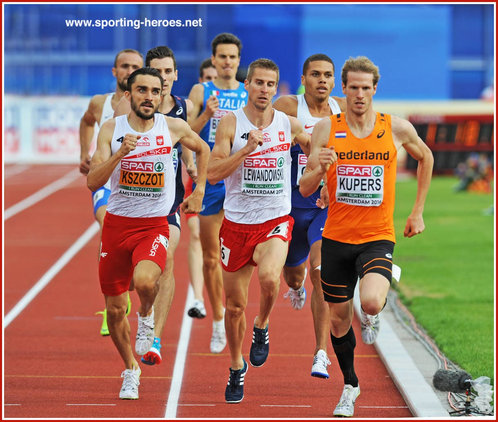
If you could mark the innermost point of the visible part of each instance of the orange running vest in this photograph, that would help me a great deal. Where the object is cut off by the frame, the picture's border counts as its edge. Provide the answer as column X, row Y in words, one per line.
column 361, row 183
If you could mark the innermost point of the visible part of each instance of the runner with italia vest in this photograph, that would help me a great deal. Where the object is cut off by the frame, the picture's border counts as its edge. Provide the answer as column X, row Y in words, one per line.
column 356, row 151
column 252, row 155
column 211, row 101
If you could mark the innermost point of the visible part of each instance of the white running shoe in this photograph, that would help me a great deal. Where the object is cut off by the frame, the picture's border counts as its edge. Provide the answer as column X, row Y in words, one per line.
column 370, row 326
column 145, row 333
column 320, row 363
column 297, row 297
column 197, row 310
column 131, row 381
column 345, row 406
column 218, row 339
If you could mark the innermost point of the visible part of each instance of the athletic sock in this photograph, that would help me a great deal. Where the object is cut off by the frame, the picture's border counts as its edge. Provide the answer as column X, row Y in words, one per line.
column 344, row 350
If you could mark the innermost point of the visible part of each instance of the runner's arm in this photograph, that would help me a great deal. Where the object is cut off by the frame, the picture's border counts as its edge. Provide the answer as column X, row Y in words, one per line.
column 190, row 140
column 87, row 126
column 103, row 161
column 286, row 104
column 405, row 133
column 221, row 163
column 199, row 119
column 299, row 136
column 319, row 159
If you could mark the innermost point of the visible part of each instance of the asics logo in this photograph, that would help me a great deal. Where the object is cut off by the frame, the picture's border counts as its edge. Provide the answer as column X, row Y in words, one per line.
column 381, row 134
column 388, row 255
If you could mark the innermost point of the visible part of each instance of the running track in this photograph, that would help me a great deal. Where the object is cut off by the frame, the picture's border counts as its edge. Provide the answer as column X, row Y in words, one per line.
column 56, row 365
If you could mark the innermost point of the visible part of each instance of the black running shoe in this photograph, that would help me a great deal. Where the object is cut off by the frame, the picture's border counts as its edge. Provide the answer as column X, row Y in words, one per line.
column 260, row 346
column 234, row 392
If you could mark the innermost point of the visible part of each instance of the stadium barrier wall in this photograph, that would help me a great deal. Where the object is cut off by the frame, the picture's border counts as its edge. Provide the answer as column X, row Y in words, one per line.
column 45, row 129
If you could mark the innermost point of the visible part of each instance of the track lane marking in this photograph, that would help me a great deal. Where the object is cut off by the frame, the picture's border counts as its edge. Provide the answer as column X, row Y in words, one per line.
column 285, row 405
column 51, row 273
column 181, row 356
column 85, row 377
column 90, row 404
column 41, row 194
column 11, row 171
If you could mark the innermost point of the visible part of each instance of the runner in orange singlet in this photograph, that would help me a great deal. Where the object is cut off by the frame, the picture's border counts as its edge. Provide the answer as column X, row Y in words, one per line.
column 356, row 151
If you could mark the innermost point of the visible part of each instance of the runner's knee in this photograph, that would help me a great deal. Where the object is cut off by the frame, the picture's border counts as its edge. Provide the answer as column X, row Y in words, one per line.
column 116, row 313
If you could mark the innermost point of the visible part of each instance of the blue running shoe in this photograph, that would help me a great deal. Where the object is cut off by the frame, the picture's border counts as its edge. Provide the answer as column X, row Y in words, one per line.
column 260, row 346
column 234, row 392
column 153, row 356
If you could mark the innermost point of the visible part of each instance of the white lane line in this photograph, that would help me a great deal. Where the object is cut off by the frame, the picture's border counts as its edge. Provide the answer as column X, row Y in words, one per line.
column 41, row 194
column 90, row 404
column 15, row 170
column 384, row 407
column 181, row 357
column 197, row 405
column 11, row 404
column 285, row 405
column 51, row 273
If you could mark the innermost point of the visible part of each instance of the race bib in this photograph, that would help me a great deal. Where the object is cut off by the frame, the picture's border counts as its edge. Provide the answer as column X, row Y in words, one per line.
column 225, row 253
column 143, row 179
column 301, row 165
column 360, row 185
column 263, row 176
column 213, row 125
column 281, row 230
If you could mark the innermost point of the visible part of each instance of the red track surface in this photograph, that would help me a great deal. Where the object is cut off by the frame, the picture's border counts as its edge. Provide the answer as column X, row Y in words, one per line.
column 56, row 365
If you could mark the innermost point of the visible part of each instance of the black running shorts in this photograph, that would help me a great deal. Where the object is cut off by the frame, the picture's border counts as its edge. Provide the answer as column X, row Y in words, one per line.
column 344, row 263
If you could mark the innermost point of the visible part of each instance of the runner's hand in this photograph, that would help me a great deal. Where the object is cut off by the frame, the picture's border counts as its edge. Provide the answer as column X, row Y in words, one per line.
column 212, row 104
column 323, row 201
column 414, row 225
column 192, row 204
column 326, row 157
column 129, row 144
column 255, row 139
column 85, row 165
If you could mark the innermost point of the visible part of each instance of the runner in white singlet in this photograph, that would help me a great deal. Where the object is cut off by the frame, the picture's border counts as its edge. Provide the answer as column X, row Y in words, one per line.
column 135, row 151
column 100, row 109
column 309, row 219
column 252, row 154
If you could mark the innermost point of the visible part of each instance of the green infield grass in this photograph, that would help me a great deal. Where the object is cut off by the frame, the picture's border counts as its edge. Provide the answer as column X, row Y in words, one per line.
column 447, row 279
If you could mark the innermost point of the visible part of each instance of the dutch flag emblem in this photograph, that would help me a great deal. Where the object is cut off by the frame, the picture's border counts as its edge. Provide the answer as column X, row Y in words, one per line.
column 340, row 134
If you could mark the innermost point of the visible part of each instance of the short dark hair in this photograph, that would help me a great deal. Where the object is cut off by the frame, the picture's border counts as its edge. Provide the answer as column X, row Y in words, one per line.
column 205, row 65
column 262, row 64
column 159, row 53
column 316, row 58
column 127, row 50
column 143, row 71
column 225, row 38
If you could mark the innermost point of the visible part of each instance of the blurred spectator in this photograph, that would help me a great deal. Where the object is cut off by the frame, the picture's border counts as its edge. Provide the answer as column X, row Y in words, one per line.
column 475, row 174
column 488, row 93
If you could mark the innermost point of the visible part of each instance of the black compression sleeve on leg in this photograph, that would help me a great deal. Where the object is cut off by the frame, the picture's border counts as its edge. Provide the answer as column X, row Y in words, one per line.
column 344, row 350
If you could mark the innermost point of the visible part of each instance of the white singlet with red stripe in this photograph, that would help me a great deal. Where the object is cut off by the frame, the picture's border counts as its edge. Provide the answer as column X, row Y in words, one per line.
column 143, row 183
column 260, row 189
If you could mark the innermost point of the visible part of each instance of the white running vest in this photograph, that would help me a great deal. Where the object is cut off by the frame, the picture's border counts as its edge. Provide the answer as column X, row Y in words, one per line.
column 107, row 110
column 260, row 189
column 305, row 117
column 308, row 121
column 143, row 183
